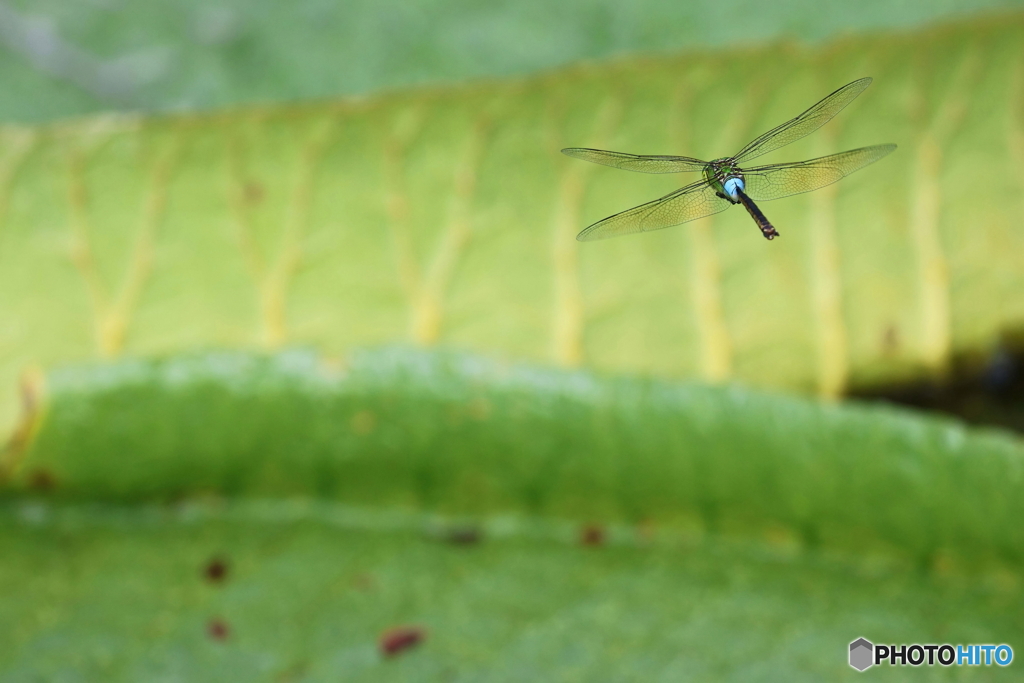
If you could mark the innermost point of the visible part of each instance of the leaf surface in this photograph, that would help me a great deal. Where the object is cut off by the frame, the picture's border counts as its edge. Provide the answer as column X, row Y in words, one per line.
column 535, row 522
column 448, row 217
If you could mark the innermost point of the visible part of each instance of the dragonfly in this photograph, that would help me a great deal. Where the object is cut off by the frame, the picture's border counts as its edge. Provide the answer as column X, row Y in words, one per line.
column 729, row 181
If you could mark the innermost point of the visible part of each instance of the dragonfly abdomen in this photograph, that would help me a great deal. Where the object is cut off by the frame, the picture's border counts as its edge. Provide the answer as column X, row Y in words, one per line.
column 767, row 229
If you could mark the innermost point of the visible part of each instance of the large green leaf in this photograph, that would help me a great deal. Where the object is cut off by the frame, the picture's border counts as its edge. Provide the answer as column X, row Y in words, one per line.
column 468, row 436
column 447, row 217
column 540, row 524
column 747, row 535
column 119, row 594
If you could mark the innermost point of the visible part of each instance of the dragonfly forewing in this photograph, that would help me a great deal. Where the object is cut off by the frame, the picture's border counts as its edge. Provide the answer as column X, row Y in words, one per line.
column 685, row 204
column 774, row 181
column 804, row 124
column 637, row 162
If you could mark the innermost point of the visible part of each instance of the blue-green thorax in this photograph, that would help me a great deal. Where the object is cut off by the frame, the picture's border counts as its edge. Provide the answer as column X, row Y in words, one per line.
column 726, row 178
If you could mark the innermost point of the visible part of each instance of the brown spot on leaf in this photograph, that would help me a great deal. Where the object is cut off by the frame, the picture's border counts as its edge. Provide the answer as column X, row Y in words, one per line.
column 462, row 535
column 396, row 640
column 42, row 480
column 218, row 629
column 216, row 570
column 592, row 535
column 363, row 422
column 254, row 192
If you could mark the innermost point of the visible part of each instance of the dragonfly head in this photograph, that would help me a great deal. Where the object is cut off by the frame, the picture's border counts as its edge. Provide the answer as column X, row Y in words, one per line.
column 726, row 177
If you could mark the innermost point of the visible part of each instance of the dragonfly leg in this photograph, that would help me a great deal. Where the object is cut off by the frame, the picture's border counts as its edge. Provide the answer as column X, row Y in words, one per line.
column 726, row 197
column 767, row 229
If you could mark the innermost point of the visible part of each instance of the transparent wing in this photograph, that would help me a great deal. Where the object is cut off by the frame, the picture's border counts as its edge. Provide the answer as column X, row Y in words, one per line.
column 636, row 162
column 685, row 204
column 764, row 183
column 808, row 122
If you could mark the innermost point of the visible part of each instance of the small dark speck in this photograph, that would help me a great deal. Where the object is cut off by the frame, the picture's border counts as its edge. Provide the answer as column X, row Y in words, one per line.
column 592, row 535
column 216, row 570
column 254, row 192
column 462, row 535
column 42, row 479
column 396, row 640
column 218, row 629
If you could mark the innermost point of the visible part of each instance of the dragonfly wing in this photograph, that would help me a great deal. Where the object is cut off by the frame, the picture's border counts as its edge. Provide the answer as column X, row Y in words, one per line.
column 764, row 183
column 685, row 204
column 808, row 122
column 636, row 162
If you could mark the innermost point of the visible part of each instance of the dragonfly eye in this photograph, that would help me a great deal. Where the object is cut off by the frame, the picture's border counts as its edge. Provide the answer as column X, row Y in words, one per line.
column 731, row 186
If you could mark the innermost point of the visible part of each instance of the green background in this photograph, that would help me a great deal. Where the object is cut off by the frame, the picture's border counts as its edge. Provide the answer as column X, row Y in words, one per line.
column 192, row 54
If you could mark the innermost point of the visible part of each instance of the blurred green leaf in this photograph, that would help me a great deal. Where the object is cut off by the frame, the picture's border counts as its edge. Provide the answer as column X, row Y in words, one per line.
column 465, row 436
column 69, row 58
column 119, row 594
column 448, row 216
column 539, row 524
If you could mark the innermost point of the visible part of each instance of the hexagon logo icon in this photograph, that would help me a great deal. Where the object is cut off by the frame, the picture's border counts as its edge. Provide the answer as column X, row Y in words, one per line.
column 861, row 651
